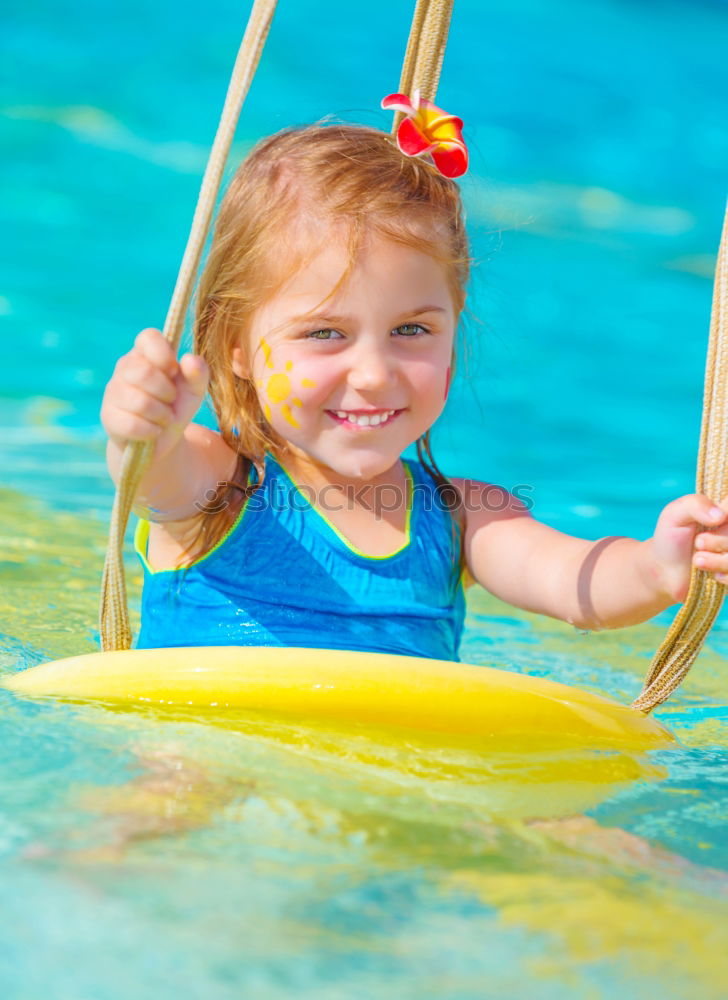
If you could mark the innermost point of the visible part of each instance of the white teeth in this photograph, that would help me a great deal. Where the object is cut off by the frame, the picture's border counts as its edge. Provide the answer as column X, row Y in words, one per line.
column 365, row 419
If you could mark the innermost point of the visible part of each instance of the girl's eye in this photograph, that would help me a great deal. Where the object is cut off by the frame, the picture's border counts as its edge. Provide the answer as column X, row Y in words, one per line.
column 409, row 330
column 324, row 335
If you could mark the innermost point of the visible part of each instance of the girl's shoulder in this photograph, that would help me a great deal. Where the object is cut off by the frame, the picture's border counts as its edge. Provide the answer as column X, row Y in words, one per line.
column 481, row 501
column 484, row 501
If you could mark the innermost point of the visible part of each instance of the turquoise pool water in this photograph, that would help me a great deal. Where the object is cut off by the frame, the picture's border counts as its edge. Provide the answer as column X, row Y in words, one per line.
column 140, row 854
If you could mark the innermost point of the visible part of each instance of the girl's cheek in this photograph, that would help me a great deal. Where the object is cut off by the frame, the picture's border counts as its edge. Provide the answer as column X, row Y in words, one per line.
column 431, row 378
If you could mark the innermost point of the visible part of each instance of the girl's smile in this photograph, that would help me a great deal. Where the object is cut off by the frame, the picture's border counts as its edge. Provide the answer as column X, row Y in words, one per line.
column 364, row 419
column 351, row 359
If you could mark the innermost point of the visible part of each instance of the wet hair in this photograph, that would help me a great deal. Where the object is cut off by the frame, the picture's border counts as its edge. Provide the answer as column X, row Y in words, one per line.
column 290, row 186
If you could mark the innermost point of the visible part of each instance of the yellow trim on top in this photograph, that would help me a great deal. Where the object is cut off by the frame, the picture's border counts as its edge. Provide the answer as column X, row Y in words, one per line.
column 141, row 542
column 350, row 545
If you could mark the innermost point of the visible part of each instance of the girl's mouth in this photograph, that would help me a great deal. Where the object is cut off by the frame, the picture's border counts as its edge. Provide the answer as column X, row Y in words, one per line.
column 363, row 421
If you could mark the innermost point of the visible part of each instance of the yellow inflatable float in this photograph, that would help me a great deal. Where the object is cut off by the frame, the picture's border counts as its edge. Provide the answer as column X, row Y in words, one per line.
column 453, row 700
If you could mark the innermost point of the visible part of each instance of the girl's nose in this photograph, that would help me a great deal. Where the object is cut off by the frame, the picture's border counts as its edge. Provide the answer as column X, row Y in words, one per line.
column 371, row 369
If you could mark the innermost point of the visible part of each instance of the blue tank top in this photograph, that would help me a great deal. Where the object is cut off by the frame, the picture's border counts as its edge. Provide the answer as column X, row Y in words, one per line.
column 283, row 575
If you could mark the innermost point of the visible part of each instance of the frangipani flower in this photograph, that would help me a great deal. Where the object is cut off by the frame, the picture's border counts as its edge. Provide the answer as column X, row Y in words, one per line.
column 429, row 129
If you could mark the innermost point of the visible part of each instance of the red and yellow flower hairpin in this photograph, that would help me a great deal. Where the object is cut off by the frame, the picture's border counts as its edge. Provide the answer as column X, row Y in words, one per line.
column 427, row 129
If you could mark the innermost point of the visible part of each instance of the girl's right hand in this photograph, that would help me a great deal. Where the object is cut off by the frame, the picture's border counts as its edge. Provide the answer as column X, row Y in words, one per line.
column 151, row 396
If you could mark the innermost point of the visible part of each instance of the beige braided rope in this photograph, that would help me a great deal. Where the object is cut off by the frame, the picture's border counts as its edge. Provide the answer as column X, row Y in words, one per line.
column 425, row 50
column 688, row 632
column 114, row 614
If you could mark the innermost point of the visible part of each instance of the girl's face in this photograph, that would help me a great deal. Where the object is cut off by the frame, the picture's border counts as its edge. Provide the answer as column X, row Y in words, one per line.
column 350, row 379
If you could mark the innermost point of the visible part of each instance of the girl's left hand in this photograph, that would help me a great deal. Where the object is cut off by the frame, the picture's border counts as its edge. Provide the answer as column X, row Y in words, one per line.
column 690, row 531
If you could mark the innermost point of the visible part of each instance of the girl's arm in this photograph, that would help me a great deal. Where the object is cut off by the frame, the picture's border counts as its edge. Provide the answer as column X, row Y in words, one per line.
column 608, row 583
column 177, row 486
column 152, row 397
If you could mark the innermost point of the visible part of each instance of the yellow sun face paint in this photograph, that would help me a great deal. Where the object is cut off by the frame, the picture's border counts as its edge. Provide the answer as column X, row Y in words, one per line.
column 278, row 388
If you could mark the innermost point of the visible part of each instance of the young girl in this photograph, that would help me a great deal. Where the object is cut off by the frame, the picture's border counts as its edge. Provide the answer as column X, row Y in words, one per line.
column 325, row 332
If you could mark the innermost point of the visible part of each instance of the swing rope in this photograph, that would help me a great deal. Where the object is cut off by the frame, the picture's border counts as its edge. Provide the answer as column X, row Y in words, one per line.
column 425, row 51
column 114, row 612
column 688, row 632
